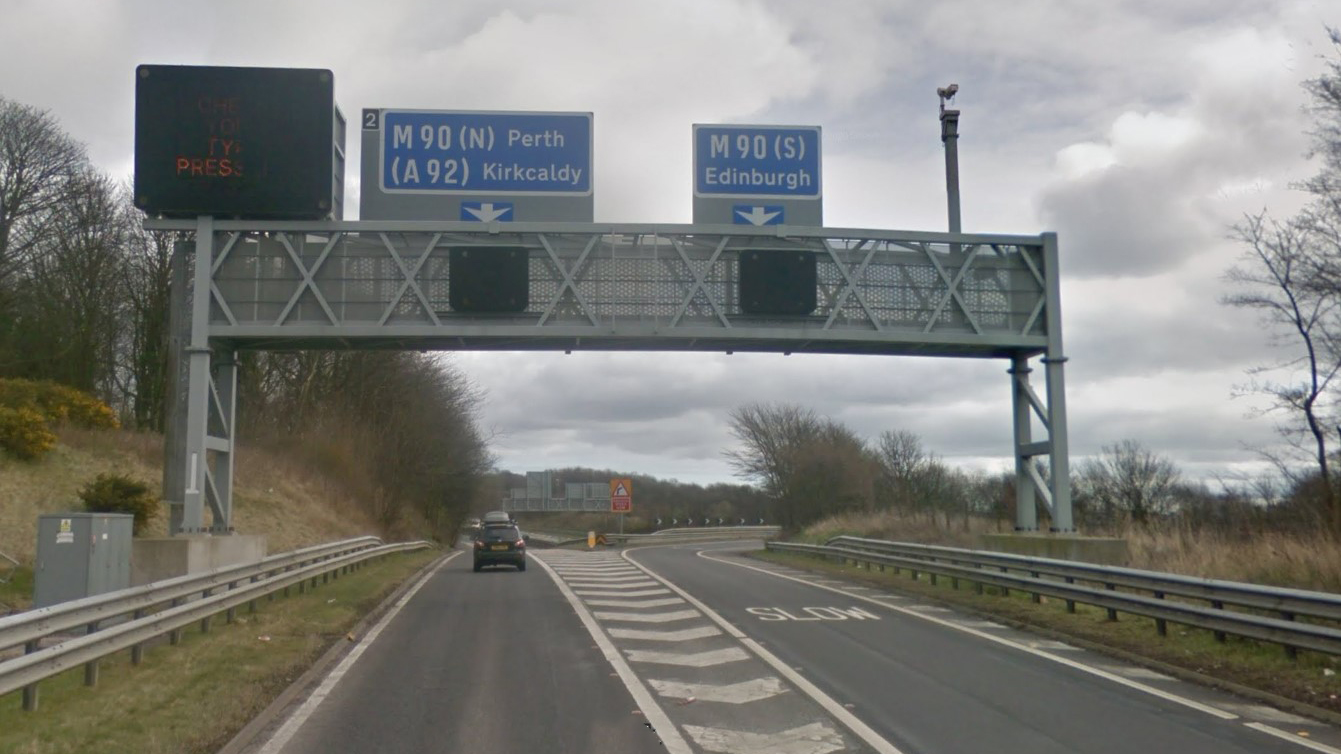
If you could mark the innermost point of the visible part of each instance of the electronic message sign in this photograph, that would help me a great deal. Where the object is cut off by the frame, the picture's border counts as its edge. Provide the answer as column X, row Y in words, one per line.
column 237, row 142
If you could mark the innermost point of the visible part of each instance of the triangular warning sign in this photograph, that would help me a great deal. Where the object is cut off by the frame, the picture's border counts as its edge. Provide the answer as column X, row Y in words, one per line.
column 620, row 491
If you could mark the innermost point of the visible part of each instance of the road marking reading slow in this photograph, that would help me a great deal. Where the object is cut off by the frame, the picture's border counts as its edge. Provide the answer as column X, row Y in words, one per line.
column 1208, row 709
column 812, row 613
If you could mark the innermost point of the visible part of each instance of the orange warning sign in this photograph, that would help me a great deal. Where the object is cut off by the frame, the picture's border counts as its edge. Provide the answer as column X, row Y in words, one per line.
column 621, row 495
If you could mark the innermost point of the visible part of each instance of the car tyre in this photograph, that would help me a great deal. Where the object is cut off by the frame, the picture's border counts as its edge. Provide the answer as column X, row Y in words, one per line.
column 478, row 567
column 521, row 566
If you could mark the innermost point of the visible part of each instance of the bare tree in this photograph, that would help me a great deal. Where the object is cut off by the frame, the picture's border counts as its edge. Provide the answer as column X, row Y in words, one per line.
column 810, row 466
column 1129, row 479
column 40, row 167
column 72, row 311
column 143, row 353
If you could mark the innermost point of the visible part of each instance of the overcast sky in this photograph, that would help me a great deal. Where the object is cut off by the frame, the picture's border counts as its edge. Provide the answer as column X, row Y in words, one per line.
column 1139, row 130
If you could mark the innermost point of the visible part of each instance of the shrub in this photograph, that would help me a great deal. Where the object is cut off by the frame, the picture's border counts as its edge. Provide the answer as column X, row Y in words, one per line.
column 24, row 433
column 118, row 493
column 58, row 403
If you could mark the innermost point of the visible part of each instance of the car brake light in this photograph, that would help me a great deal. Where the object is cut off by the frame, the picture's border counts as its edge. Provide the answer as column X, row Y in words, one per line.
column 479, row 543
column 521, row 543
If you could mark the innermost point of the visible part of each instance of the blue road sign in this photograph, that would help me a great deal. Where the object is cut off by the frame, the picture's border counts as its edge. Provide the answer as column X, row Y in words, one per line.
column 757, row 161
column 752, row 214
column 486, row 212
column 444, row 152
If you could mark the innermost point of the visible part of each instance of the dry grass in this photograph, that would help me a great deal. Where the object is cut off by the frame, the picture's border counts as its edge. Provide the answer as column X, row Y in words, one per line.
column 1302, row 561
column 289, row 499
column 899, row 526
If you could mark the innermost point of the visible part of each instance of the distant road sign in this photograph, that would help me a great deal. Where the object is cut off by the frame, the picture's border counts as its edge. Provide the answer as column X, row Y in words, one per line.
column 780, row 164
column 621, row 495
column 453, row 164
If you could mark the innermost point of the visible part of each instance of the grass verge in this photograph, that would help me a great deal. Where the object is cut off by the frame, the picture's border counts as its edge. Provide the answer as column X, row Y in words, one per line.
column 1312, row 680
column 193, row 697
column 17, row 592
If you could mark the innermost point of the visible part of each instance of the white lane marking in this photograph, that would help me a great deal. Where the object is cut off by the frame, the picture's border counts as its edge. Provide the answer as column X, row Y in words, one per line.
column 598, row 576
column 730, row 693
column 647, row 634
column 666, row 602
column 815, row 738
column 611, row 593
column 295, row 721
column 1288, row 736
column 1213, row 711
column 838, row 711
column 690, row 659
column 665, row 729
column 669, row 617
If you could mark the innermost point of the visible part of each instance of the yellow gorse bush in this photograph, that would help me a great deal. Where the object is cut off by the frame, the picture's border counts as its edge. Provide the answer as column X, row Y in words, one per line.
column 29, row 409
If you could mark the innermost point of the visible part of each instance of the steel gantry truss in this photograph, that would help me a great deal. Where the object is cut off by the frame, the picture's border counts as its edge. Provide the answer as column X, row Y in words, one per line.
column 385, row 285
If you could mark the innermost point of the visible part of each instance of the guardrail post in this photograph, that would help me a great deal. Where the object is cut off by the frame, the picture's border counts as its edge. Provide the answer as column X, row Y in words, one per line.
column 1070, row 604
column 1291, row 652
column 1219, row 635
column 205, row 622
column 1161, row 625
column 1036, row 598
column 175, row 635
column 1112, row 614
column 30, row 691
column 137, row 651
column 91, row 667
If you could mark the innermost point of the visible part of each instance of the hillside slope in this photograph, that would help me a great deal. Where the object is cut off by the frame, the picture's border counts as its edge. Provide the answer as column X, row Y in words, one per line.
column 291, row 502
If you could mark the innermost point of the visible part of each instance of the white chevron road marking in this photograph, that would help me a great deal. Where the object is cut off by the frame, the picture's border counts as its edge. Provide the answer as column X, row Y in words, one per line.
column 646, row 634
column 690, row 660
column 642, row 584
column 731, row 693
column 603, row 578
column 673, row 615
column 608, row 593
column 815, row 738
column 663, row 602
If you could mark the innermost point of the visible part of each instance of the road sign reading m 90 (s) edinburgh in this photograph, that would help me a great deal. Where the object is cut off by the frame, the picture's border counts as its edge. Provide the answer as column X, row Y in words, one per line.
column 234, row 142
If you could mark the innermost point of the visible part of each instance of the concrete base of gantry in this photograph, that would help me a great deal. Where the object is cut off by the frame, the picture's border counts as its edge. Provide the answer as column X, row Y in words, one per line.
column 1099, row 550
column 158, row 558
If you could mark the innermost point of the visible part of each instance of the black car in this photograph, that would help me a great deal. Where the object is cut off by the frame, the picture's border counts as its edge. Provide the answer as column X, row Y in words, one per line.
column 500, row 544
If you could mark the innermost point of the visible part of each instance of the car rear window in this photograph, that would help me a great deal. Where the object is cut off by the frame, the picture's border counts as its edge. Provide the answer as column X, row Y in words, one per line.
column 501, row 534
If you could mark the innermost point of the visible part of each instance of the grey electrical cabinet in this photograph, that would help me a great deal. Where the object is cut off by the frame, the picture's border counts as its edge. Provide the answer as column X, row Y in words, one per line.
column 80, row 555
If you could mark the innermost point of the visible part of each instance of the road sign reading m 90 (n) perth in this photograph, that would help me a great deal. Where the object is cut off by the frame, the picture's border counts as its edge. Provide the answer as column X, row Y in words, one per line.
column 757, row 175
column 476, row 166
